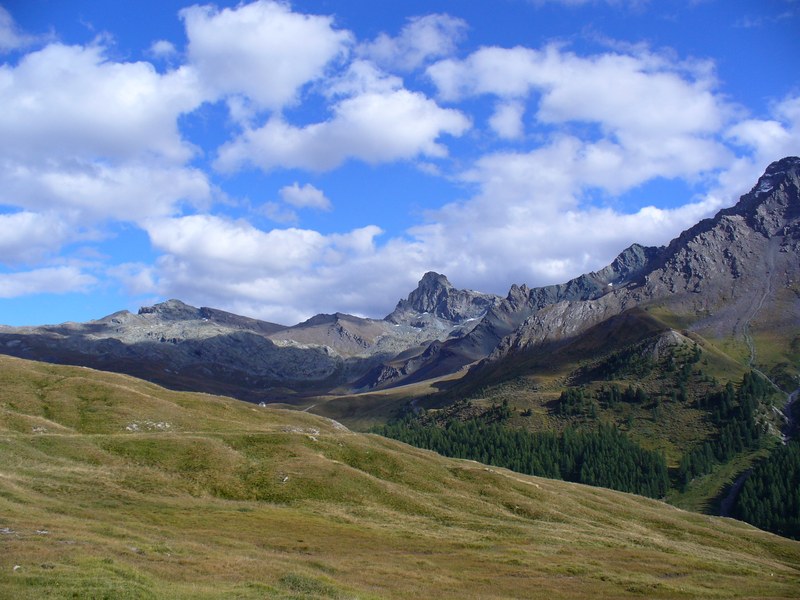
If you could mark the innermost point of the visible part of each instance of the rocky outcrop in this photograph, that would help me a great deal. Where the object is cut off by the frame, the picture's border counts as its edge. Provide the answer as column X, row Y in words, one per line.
column 436, row 296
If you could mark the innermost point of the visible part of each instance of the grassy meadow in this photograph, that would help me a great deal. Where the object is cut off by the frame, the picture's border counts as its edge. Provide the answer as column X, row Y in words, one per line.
column 111, row 487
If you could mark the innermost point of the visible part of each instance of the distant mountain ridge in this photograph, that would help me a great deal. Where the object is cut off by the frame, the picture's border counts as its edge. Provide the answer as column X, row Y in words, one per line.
column 186, row 347
column 735, row 275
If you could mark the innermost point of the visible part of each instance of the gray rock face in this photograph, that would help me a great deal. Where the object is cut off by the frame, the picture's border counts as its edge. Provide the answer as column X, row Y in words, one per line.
column 522, row 302
column 436, row 296
column 502, row 317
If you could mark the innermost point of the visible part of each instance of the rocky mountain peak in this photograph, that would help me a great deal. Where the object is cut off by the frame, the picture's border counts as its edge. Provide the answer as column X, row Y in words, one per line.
column 782, row 166
column 518, row 295
column 432, row 291
column 171, row 310
column 770, row 208
column 630, row 263
column 774, row 200
column 432, row 279
column 435, row 295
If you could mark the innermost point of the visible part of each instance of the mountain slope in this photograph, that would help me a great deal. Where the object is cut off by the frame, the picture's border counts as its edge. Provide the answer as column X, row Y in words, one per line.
column 110, row 486
column 734, row 278
column 503, row 317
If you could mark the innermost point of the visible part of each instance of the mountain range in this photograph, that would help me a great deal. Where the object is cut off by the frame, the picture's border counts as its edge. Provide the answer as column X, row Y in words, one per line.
column 732, row 279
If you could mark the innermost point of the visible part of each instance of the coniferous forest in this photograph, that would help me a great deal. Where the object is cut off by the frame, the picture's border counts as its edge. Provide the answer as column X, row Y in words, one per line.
column 733, row 412
column 605, row 457
column 770, row 496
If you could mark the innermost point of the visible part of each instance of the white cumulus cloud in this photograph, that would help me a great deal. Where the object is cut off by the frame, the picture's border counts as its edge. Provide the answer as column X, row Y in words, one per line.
column 50, row 280
column 506, row 121
column 90, row 192
column 655, row 117
column 423, row 38
column 305, row 196
column 66, row 101
column 226, row 245
column 281, row 274
column 163, row 49
column 95, row 139
column 29, row 236
column 372, row 127
column 262, row 50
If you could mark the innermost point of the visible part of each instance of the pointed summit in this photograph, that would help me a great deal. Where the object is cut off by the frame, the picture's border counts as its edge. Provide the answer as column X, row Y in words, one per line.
column 432, row 291
column 436, row 296
column 432, row 279
column 774, row 200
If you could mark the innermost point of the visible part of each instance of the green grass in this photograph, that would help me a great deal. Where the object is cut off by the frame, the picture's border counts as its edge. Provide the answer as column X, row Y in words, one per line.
column 237, row 501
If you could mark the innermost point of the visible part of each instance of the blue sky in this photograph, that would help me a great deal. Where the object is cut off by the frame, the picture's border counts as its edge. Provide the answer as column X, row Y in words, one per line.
column 279, row 160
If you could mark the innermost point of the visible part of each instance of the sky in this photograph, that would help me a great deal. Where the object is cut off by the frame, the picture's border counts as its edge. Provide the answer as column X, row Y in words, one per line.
column 279, row 160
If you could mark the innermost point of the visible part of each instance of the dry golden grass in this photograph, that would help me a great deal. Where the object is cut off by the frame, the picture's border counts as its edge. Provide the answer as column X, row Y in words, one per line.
column 236, row 501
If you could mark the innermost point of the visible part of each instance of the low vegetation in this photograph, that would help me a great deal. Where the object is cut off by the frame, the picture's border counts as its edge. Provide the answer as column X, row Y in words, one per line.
column 114, row 488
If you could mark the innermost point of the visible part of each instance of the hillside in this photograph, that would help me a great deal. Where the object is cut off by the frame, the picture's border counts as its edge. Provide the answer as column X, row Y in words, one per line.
column 114, row 487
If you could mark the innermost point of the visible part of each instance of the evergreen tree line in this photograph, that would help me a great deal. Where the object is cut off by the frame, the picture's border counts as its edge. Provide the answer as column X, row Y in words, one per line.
column 631, row 362
column 605, row 458
column 733, row 412
column 770, row 496
column 613, row 394
column 580, row 401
